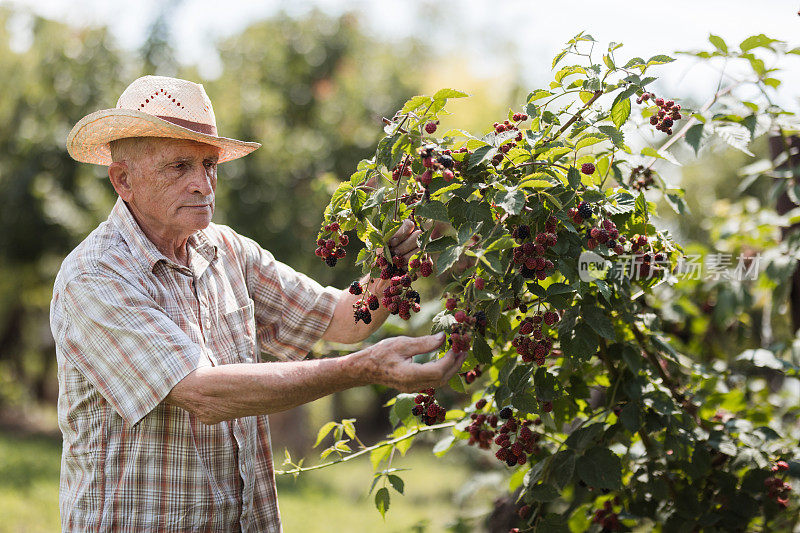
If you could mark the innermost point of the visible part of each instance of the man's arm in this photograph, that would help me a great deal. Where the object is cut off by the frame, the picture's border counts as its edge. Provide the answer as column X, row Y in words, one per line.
column 225, row 392
column 343, row 327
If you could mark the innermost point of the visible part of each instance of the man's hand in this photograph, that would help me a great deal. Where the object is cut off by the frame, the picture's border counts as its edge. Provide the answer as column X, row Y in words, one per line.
column 390, row 362
column 405, row 240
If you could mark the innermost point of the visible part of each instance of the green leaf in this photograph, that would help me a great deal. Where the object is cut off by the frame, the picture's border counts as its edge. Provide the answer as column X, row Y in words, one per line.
column 323, row 432
column 561, row 468
column 756, row 41
column 481, row 350
column 600, row 468
column 589, row 139
column 573, row 177
column 615, row 135
column 552, row 523
column 621, row 109
column 440, row 245
column 719, row 43
column 443, row 446
column 415, row 102
column 349, row 427
column 382, row 501
column 443, row 94
column 482, row 154
column 447, row 259
column 511, row 201
column 694, row 135
column 631, row 417
column 397, row 483
column 619, row 203
column 558, row 58
column 433, row 210
column 378, row 455
column 599, row 321
column 659, row 60
column 543, row 493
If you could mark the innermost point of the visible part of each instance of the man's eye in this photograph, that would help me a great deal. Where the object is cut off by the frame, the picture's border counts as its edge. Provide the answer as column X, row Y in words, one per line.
column 210, row 164
column 179, row 166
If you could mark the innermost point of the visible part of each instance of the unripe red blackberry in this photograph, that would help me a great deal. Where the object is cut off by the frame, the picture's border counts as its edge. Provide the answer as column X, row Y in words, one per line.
column 451, row 304
column 430, row 127
column 330, row 244
column 547, row 407
column 587, row 168
column 414, row 263
column 426, row 177
column 426, row 269
column 448, row 175
column 460, row 316
column 480, row 404
column 344, row 240
column 479, row 283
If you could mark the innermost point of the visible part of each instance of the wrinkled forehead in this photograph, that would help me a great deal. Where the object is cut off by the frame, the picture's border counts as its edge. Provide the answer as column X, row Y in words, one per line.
column 165, row 148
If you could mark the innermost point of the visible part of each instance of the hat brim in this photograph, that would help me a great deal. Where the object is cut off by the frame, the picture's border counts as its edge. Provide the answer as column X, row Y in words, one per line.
column 88, row 140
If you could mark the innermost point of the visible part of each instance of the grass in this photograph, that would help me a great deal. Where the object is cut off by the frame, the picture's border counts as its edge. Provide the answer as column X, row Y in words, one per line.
column 331, row 499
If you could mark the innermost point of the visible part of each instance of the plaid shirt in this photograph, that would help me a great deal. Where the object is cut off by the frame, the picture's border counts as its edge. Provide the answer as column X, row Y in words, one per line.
column 129, row 324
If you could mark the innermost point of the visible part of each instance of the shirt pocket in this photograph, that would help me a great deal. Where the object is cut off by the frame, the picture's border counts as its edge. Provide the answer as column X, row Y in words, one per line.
column 239, row 331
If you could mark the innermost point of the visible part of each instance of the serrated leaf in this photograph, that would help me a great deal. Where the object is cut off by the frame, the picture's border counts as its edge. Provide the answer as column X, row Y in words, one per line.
column 443, row 94
column 659, row 60
column 482, row 351
column 323, row 432
column 511, row 201
column 600, row 468
column 443, row 446
column 433, row 210
column 382, row 501
column 756, row 41
column 719, row 43
column 349, row 427
column 615, row 135
column 558, row 58
column 561, row 468
column 621, row 110
column 482, row 154
column 620, row 203
column 599, row 321
column 631, row 417
column 589, row 139
column 543, row 493
column 397, row 483
column 415, row 102
column 378, row 455
column 693, row 136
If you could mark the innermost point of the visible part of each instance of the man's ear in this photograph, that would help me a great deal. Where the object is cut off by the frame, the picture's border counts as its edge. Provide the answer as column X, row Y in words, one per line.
column 120, row 176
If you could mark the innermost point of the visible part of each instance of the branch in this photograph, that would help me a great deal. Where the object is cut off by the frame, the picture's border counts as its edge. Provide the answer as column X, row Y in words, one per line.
column 382, row 444
column 597, row 94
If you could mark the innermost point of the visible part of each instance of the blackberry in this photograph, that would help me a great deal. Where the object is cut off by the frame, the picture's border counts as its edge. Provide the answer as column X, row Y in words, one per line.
column 446, row 161
column 355, row 288
column 585, row 210
column 331, row 261
column 505, row 413
column 413, row 295
column 373, row 303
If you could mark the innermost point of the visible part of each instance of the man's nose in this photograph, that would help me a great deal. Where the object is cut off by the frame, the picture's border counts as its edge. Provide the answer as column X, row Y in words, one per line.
column 203, row 181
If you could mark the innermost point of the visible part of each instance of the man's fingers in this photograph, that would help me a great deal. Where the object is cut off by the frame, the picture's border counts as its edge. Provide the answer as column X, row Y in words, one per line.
column 409, row 245
column 424, row 344
column 402, row 233
column 441, row 370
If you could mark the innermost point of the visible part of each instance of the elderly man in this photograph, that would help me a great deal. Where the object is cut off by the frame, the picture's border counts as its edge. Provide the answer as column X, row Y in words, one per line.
column 159, row 318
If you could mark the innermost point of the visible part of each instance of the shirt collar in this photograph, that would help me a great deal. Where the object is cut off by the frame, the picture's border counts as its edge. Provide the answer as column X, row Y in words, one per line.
column 201, row 251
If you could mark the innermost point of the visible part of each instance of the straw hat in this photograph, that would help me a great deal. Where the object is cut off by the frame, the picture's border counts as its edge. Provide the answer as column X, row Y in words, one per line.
column 153, row 106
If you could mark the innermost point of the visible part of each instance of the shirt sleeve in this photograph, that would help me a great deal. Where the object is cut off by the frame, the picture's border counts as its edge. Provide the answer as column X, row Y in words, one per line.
column 124, row 343
column 292, row 311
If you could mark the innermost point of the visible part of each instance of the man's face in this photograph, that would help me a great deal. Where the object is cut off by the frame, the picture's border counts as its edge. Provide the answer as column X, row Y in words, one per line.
column 172, row 186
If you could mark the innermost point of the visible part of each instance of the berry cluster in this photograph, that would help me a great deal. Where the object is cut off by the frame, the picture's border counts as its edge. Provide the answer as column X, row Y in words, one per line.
column 668, row 112
column 399, row 298
column 506, row 125
column 427, row 409
column 482, row 429
column 327, row 246
column 524, row 440
column 402, row 169
column 361, row 309
column 605, row 233
column 583, row 212
column 471, row 375
column 607, row 518
column 641, row 178
column 435, row 162
column 777, row 489
column 531, row 254
column 531, row 343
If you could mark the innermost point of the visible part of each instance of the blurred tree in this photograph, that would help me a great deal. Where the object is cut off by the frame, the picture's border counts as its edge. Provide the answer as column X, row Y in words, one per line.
column 50, row 202
column 313, row 92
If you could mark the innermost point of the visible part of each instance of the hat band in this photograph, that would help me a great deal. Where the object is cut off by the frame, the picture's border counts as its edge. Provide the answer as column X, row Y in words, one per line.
column 199, row 127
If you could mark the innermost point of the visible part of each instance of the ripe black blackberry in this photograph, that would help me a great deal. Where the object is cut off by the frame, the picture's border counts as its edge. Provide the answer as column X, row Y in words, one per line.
column 585, row 210
column 355, row 288
column 373, row 303
column 331, row 261
column 505, row 413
